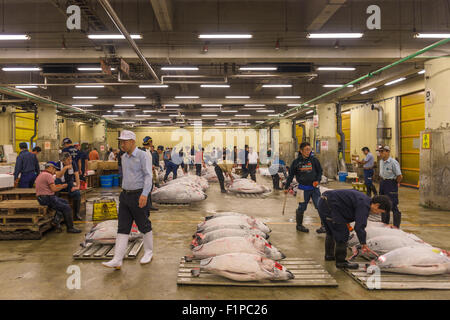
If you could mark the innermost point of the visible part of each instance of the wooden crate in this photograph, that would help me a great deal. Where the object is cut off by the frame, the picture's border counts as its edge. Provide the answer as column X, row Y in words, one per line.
column 396, row 281
column 308, row 273
column 18, row 194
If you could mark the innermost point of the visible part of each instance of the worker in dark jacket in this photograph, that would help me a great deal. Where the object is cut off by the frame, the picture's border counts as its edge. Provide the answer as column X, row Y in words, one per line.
column 337, row 208
column 27, row 165
column 308, row 173
column 69, row 174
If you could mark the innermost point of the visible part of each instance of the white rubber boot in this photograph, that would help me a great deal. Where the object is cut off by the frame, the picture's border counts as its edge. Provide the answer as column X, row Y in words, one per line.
column 119, row 252
column 148, row 248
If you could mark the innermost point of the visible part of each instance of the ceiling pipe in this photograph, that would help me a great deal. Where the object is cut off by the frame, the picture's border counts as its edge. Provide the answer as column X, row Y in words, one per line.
column 115, row 19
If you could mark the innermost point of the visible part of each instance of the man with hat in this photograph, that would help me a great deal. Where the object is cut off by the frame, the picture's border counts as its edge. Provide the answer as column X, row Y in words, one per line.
column 68, row 174
column 147, row 144
column 391, row 176
column 45, row 193
column 133, row 200
column 27, row 165
column 71, row 149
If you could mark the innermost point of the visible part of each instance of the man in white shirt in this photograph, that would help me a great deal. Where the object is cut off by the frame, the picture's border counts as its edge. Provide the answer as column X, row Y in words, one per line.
column 252, row 163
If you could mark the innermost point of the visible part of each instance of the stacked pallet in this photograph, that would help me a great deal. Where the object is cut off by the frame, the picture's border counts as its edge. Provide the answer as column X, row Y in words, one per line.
column 24, row 219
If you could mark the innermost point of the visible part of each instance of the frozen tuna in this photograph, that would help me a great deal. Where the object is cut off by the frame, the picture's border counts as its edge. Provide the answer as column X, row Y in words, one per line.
column 247, row 186
column 378, row 231
column 230, row 220
column 106, row 232
column 201, row 238
column 178, row 193
column 244, row 267
column 249, row 244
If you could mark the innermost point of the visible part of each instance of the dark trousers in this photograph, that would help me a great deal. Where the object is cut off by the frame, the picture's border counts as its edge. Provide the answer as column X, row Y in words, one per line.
column 27, row 180
column 220, row 176
column 198, row 169
column 75, row 196
column 368, row 176
column 308, row 194
column 339, row 231
column 276, row 181
column 171, row 167
column 129, row 210
column 60, row 205
column 251, row 170
column 390, row 189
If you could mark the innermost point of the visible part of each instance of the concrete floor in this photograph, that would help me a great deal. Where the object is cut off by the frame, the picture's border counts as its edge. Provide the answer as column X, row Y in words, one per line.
column 37, row 269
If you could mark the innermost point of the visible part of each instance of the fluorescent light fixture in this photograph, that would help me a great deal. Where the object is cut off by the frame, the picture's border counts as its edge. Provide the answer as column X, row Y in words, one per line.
column 88, row 86
column 164, row 119
column 133, row 97
column 237, row 97
column 395, row 81
column 82, row 105
column 254, row 105
column 370, row 90
column 272, row 115
column 187, row 97
column 211, row 105
column 432, row 35
column 154, row 122
column 144, row 86
column 294, row 104
column 179, row 68
column 112, row 36
column 92, row 69
column 242, row 115
column 258, row 68
column 336, row 69
column 277, row 86
column 222, row 119
column 7, row 37
column 21, row 69
column 124, row 105
column 86, row 97
column 229, row 111
column 334, row 35
column 209, row 115
column 215, row 86
column 146, row 111
column 225, row 36
column 336, row 86
column 421, row 72
column 171, row 105
column 26, row 87
column 310, row 111
column 252, row 109
column 259, row 121
column 288, row 97
column 220, row 124
column 143, row 115
column 266, row 111
column 121, row 111
column 128, row 122
column 110, row 115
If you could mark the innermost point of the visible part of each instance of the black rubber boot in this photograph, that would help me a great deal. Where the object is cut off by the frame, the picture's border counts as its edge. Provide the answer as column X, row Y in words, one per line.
column 341, row 255
column 299, row 218
column 397, row 219
column 329, row 248
column 321, row 230
column 73, row 230
column 76, row 210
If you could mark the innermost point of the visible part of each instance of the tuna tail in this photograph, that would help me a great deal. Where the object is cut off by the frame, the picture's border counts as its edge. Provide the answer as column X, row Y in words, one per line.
column 208, row 218
column 195, row 272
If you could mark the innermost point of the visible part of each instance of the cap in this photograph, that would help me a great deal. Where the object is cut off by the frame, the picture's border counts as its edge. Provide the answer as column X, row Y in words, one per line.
column 127, row 135
column 160, row 148
column 52, row 164
column 76, row 144
column 147, row 140
column 66, row 140
column 23, row 145
column 386, row 148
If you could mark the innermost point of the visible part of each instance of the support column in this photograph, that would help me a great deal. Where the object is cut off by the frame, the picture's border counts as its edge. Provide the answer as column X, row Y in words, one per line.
column 99, row 138
column 287, row 148
column 48, row 133
column 435, row 154
column 328, row 154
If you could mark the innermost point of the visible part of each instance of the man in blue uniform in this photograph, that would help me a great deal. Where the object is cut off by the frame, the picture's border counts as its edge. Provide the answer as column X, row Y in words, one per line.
column 308, row 173
column 69, row 175
column 391, row 176
column 147, row 143
column 82, row 161
column 336, row 209
column 71, row 149
column 27, row 166
column 368, row 164
column 278, row 166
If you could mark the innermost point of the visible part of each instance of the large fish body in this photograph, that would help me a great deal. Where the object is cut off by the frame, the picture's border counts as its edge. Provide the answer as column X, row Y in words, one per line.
column 420, row 260
column 106, row 232
column 377, row 231
column 247, row 186
column 245, row 267
column 201, row 238
column 225, row 214
column 178, row 193
column 235, row 226
column 238, row 220
column 194, row 179
column 250, row 244
column 383, row 244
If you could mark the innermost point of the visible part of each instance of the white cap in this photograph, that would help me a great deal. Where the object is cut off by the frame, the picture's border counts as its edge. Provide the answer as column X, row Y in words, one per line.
column 127, row 135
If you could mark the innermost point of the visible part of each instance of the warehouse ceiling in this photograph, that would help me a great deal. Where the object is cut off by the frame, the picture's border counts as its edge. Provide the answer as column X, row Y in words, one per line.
column 170, row 30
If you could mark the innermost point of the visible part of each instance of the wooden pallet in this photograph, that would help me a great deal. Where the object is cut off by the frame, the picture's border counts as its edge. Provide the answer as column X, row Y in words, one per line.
column 18, row 194
column 397, row 281
column 106, row 251
column 308, row 273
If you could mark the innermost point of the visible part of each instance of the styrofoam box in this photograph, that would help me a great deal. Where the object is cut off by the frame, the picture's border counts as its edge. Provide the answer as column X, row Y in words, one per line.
column 6, row 169
column 6, row 181
column 90, row 172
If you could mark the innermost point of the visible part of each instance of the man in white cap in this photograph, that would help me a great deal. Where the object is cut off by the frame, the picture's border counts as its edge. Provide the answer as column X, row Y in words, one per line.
column 133, row 201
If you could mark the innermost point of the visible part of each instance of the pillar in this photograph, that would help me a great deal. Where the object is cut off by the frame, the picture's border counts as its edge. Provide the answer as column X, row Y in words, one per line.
column 328, row 151
column 47, row 137
column 99, row 138
column 287, row 143
column 435, row 150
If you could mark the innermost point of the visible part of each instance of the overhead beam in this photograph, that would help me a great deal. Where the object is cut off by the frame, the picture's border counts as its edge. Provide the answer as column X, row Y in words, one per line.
column 328, row 10
column 164, row 14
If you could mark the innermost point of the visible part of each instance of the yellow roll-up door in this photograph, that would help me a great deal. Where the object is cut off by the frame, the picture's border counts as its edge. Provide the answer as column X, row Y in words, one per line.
column 346, row 117
column 299, row 134
column 412, row 121
column 24, row 129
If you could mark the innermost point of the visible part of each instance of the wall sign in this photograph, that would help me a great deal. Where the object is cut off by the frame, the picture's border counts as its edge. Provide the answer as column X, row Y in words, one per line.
column 47, row 145
column 102, row 148
column 426, row 141
column 324, row 145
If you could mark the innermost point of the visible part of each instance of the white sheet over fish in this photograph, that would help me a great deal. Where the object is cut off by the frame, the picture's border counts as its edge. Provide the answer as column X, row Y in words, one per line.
column 238, row 220
column 245, row 267
column 249, row 244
